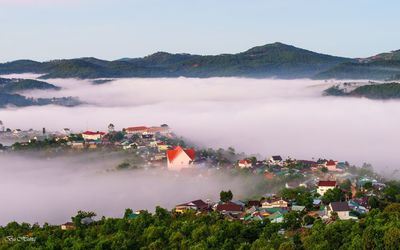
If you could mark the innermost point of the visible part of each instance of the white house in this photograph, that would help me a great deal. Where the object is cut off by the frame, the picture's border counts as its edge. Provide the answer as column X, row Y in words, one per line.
column 180, row 158
column 92, row 136
column 324, row 186
column 331, row 165
column 341, row 208
column 274, row 203
column 276, row 160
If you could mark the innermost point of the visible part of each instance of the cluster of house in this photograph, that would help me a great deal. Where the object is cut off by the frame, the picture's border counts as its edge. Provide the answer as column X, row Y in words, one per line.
column 277, row 160
column 276, row 166
column 133, row 137
column 31, row 134
column 274, row 208
column 343, row 209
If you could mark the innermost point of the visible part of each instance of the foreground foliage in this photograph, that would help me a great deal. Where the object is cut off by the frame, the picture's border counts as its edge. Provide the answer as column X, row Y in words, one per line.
column 380, row 229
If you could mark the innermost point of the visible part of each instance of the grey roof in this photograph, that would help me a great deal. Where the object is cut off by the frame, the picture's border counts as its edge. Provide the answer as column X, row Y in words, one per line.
column 340, row 206
column 277, row 158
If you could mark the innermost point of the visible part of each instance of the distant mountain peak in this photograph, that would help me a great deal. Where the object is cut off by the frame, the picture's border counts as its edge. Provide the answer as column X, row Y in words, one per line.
column 269, row 46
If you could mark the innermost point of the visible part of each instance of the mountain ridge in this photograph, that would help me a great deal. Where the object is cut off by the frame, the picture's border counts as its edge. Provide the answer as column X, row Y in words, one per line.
column 275, row 60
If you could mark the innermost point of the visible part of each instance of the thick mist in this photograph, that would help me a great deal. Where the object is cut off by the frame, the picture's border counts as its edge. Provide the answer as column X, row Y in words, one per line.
column 265, row 116
column 36, row 189
column 287, row 117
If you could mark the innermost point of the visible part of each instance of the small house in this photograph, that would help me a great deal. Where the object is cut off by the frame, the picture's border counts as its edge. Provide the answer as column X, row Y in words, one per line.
column 275, row 203
column 341, row 208
column 245, row 163
column 68, row 226
column 92, row 136
column 324, row 186
column 229, row 208
column 276, row 160
column 197, row 205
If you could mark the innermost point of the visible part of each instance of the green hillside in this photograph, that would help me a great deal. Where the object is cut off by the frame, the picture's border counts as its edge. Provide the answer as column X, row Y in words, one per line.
column 385, row 66
column 15, row 85
column 373, row 91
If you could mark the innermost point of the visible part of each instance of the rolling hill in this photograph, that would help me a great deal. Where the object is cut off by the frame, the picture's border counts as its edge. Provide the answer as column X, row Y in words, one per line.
column 271, row 60
column 385, row 66
column 10, row 96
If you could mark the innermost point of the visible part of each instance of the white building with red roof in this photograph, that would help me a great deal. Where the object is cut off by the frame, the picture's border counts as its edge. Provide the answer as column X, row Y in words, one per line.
column 136, row 130
column 245, row 163
column 331, row 165
column 92, row 136
column 324, row 186
column 180, row 158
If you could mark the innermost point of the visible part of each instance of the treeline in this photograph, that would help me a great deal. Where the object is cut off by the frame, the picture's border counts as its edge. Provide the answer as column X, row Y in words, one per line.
column 374, row 91
column 380, row 229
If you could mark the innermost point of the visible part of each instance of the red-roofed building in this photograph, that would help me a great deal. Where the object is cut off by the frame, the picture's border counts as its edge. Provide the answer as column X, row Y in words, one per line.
column 159, row 130
column 324, row 186
column 331, row 165
column 92, row 136
column 136, row 130
column 245, row 163
column 180, row 158
column 229, row 208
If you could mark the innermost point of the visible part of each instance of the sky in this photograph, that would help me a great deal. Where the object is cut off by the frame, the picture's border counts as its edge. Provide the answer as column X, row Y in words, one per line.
column 113, row 29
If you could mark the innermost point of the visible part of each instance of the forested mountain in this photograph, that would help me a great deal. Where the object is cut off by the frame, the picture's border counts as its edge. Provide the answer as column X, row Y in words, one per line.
column 15, row 85
column 385, row 66
column 271, row 60
column 10, row 87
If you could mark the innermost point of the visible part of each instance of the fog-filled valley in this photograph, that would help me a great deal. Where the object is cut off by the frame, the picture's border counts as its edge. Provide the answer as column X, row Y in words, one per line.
column 261, row 116
column 39, row 189
column 288, row 117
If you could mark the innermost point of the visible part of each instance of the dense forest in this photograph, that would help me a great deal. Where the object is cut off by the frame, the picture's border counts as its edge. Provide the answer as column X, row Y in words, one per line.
column 163, row 229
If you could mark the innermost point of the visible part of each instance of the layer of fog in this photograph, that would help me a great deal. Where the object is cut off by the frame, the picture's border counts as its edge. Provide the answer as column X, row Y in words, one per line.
column 41, row 190
column 263, row 116
column 269, row 117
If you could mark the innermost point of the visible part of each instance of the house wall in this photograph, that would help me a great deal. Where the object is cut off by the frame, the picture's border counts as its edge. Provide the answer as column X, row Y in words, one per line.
column 162, row 147
column 331, row 167
column 281, row 204
column 243, row 165
column 345, row 215
column 91, row 137
column 322, row 190
column 180, row 162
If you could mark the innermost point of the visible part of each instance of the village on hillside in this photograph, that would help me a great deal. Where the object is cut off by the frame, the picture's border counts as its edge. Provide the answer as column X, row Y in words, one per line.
column 324, row 188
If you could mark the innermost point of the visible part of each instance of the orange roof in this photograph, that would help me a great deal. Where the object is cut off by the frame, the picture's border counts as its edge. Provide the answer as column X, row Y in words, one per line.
column 140, row 128
column 244, row 162
column 172, row 154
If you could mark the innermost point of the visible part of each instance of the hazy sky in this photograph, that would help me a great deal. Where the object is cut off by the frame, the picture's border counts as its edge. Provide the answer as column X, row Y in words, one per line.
column 48, row 29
